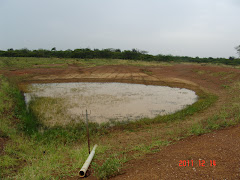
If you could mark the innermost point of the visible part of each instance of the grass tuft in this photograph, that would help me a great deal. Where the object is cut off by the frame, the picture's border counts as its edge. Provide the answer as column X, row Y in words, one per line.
column 110, row 167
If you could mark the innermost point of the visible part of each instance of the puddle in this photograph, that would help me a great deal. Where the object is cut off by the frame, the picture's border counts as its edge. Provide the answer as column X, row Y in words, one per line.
column 115, row 101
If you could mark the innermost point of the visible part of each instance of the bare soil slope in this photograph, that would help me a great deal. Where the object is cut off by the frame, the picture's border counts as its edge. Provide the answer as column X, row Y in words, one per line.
column 222, row 146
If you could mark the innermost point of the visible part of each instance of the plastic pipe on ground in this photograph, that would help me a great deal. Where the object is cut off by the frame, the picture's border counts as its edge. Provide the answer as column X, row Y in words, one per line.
column 85, row 166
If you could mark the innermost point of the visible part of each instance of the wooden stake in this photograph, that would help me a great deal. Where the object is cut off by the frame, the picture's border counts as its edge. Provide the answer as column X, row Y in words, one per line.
column 87, row 132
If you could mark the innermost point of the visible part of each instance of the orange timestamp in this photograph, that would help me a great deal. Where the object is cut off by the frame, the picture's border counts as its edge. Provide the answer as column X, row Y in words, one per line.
column 200, row 163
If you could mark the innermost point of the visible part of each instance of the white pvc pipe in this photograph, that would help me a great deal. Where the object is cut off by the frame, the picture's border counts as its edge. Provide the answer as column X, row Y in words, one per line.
column 85, row 166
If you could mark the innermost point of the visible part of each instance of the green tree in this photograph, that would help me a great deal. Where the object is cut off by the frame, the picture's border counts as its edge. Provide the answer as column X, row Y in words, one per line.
column 53, row 49
column 238, row 50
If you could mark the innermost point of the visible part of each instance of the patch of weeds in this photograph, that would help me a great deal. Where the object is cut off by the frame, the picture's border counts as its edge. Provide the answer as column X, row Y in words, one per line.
column 218, row 123
column 225, row 86
column 49, row 111
column 101, row 150
column 212, row 123
column 217, row 74
column 8, row 161
column 12, row 102
column 6, row 62
column 109, row 168
column 160, row 143
column 227, row 117
column 137, row 155
column 205, row 126
column 153, row 147
column 170, row 132
column 3, row 134
column 146, row 71
column 7, row 164
column 13, row 158
column 62, row 135
column 229, row 76
column 45, row 161
column 200, row 72
column 142, row 148
column 197, row 129
column 13, row 63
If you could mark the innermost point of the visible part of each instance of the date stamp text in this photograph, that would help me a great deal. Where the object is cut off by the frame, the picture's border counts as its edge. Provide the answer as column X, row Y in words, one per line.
column 200, row 163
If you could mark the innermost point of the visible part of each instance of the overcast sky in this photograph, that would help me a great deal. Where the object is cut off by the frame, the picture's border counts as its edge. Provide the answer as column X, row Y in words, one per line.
column 204, row 28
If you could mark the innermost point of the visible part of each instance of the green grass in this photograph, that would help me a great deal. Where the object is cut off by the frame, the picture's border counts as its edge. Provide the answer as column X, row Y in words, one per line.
column 110, row 167
column 21, row 62
column 229, row 115
column 30, row 153
column 153, row 147
column 14, row 63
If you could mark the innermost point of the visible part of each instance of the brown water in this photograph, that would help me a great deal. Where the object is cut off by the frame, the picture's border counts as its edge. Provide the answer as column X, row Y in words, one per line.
column 115, row 101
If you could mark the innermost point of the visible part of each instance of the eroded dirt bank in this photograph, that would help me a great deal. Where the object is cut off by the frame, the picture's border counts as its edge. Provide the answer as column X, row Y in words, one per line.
column 209, row 77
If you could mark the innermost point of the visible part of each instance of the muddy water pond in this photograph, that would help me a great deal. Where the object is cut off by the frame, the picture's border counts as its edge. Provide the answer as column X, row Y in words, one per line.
column 111, row 101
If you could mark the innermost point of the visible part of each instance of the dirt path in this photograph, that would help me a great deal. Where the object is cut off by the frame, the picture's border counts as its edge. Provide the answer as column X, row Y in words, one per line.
column 222, row 147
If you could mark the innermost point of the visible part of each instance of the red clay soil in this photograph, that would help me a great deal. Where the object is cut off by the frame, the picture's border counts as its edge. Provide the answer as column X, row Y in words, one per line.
column 181, row 71
column 211, row 156
column 222, row 147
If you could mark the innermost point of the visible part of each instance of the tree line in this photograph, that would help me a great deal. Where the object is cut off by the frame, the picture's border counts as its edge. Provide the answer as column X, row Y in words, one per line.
column 110, row 53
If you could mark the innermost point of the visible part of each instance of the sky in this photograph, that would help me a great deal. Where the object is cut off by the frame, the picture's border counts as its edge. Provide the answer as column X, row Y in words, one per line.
column 204, row 28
